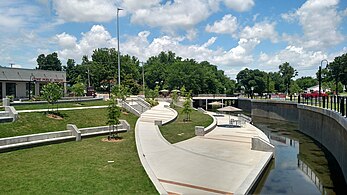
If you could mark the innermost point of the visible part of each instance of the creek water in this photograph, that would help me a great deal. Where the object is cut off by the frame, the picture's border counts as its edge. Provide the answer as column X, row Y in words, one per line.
column 301, row 165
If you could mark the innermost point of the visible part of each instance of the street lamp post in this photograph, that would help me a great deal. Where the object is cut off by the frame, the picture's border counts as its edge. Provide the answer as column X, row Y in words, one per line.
column 320, row 80
column 118, row 9
column 252, row 88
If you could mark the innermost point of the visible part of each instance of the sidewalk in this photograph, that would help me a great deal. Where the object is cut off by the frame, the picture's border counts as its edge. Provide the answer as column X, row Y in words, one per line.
column 220, row 162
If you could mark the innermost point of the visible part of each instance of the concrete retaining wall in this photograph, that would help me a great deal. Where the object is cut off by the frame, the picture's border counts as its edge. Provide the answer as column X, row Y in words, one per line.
column 327, row 127
column 275, row 110
column 244, row 104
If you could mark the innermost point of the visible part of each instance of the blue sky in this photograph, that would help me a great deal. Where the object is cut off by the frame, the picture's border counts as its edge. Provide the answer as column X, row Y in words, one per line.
column 232, row 34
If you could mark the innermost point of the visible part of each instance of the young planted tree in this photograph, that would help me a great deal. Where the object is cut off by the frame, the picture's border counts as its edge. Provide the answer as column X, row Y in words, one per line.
column 78, row 89
column 187, row 107
column 174, row 98
column 113, row 118
column 52, row 92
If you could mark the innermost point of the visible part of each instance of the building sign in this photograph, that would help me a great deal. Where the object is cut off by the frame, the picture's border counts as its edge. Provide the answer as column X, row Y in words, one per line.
column 47, row 79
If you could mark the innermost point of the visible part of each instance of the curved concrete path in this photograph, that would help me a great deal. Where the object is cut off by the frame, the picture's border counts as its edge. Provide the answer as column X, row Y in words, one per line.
column 220, row 162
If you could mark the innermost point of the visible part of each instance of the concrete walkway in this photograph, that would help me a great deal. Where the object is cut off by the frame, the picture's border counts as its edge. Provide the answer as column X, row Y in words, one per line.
column 220, row 162
column 72, row 108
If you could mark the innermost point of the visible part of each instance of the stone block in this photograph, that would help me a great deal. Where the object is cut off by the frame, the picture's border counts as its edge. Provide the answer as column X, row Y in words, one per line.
column 74, row 131
column 158, row 122
column 199, row 131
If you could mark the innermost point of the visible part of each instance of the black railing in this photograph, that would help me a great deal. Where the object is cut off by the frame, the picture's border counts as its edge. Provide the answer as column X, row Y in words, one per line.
column 333, row 102
column 336, row 103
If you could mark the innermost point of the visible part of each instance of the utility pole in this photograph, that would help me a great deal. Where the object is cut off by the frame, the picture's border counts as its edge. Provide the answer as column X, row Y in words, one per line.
column 143, row 79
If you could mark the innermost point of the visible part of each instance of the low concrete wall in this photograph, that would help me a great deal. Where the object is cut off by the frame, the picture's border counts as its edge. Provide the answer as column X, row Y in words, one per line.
column 12, row 112
column 275, row 110
column 262, row 145
column 33, row 137
column 327, row 127
column 59, row 101
column 6, row 144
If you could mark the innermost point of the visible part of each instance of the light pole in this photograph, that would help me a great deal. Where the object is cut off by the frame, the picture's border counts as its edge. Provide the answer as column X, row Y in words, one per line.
column 320, row 79
column 252, row 88
column 118, row 9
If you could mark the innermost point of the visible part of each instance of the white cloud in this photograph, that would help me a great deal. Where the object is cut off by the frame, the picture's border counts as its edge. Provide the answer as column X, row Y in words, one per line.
column 85, row 11
column 298, row 57
column 228, row 25
column 191, row 34
column 239, row 5
column 97, row 37
column 141, row 47
column 180, row 14
column 133, row 5
column 261, row 31
column 320, row 22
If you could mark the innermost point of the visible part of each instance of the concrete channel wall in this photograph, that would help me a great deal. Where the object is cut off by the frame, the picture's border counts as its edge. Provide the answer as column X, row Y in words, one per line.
column 325, row 126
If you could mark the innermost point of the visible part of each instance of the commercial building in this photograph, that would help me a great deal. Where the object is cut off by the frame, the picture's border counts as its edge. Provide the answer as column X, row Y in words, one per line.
column 19, row 83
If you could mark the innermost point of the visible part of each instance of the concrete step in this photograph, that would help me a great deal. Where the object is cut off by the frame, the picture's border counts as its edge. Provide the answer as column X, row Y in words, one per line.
column 6, row 119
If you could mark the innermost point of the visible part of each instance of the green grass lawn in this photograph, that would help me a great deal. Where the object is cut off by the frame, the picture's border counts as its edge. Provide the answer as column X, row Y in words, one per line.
column 38, row 122
column 76, row 167
column 61, row 105
column 178, row 130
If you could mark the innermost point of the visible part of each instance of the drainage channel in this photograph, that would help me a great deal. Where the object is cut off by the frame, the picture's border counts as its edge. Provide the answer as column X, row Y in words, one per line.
column 301, row 165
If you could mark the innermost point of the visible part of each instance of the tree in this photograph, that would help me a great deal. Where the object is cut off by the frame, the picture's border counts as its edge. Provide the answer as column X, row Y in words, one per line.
column 294, row 88
column 287, row 72
column 78, row 89
column 337, row 71
column 187, row 107
column 253, row 78
column 49, row 62
column 121, row 92
column 113, row 118
column 174, row 98
column 52, row 92
column 306, row 82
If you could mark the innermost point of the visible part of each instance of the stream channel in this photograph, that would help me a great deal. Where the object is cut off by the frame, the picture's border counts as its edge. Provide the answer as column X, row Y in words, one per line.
column 301, row 165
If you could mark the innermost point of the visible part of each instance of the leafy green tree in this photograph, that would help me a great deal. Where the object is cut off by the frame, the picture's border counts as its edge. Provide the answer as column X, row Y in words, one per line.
column 294, row 88
column 49, row 62
column 306, row 82
column 336, row 71
column 120, row 92
column 287, row 72
column 52, row 92
column 183, row 91
column 253, row 78
column 187, row 107
column 113, row 117
column 174, row 98
column 78, row 89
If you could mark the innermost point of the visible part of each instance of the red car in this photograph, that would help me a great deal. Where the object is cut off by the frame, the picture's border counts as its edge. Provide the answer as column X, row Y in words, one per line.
column 314, row 94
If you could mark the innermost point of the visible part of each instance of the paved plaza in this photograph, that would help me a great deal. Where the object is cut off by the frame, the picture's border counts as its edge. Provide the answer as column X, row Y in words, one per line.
column 221, row 162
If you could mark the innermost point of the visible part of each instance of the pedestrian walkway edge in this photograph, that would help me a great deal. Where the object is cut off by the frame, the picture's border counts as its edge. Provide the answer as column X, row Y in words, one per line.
column 145, row 164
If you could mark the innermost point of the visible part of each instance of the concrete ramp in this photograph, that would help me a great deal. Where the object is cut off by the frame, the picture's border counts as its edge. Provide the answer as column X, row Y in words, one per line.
column 221, row 162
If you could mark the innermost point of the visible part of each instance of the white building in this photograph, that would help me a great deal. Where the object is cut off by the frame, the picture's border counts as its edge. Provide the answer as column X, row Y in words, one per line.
column 18, row 82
